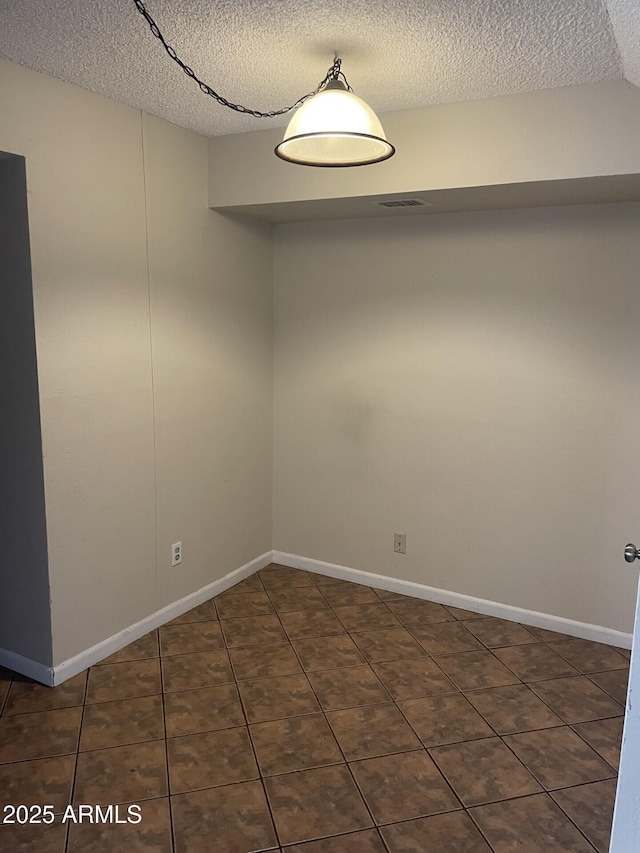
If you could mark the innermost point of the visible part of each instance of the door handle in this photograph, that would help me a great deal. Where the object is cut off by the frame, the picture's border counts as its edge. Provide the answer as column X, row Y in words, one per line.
column 631, row 553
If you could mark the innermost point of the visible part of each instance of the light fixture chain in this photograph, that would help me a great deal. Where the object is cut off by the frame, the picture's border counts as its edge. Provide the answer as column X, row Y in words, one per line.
column 332, row 74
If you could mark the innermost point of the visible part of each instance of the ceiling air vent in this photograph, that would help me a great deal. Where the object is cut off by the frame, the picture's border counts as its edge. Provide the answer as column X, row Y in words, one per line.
column 403, row 202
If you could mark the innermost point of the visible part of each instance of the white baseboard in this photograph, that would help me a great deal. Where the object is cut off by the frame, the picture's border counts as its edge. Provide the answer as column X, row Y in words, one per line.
column 25, row 666
column 456, row 599
column 67, row 669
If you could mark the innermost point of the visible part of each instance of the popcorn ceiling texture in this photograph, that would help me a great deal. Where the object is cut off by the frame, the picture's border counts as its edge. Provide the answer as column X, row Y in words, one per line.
column 266, row 53
column 625, row 18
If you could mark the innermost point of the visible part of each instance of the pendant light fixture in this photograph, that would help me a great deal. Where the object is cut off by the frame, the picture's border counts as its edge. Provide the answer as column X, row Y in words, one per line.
column 332, row 127
column 335, row 128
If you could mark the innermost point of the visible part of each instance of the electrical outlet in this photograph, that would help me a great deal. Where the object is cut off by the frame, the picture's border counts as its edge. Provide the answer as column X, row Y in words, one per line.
column 400, row 543
column 176, row 553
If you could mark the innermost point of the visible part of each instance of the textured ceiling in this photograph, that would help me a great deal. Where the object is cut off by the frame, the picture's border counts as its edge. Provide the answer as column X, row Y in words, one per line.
column 266, row 53
column 625, row 19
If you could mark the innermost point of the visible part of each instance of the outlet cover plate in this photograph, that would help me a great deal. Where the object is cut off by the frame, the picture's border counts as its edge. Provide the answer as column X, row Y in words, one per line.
column 400, row 543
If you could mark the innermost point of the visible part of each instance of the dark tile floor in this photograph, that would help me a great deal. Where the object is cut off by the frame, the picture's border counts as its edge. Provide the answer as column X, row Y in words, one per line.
column 299, row 713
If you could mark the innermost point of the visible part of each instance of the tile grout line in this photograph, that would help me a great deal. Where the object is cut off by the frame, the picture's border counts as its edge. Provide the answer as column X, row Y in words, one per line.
column 262, row 776
column 464, row 809
column 530, row 772
column 166, row 745
column 234, row 683
column 328, row 724
column 564, row 724
column 568, row 816
column 351, row 634
column 5, row 701
column 246, row 719
column 459, row 690
column 85, row 694
column 407, row 627
column 545, row 791
column 395, row 703
column 392, row 700
column 609, row 692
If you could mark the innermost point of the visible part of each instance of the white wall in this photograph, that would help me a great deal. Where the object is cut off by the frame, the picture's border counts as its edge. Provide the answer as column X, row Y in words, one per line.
column 470, row 380
column 153, row 329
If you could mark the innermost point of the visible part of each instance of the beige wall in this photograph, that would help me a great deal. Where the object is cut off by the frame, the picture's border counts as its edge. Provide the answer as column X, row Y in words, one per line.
column 147, row 363
column 211, row 319
column 470, row 380
column 553, row 134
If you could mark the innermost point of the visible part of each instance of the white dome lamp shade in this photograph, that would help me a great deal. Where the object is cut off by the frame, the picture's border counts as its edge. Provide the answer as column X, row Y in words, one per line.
column 335, row 128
